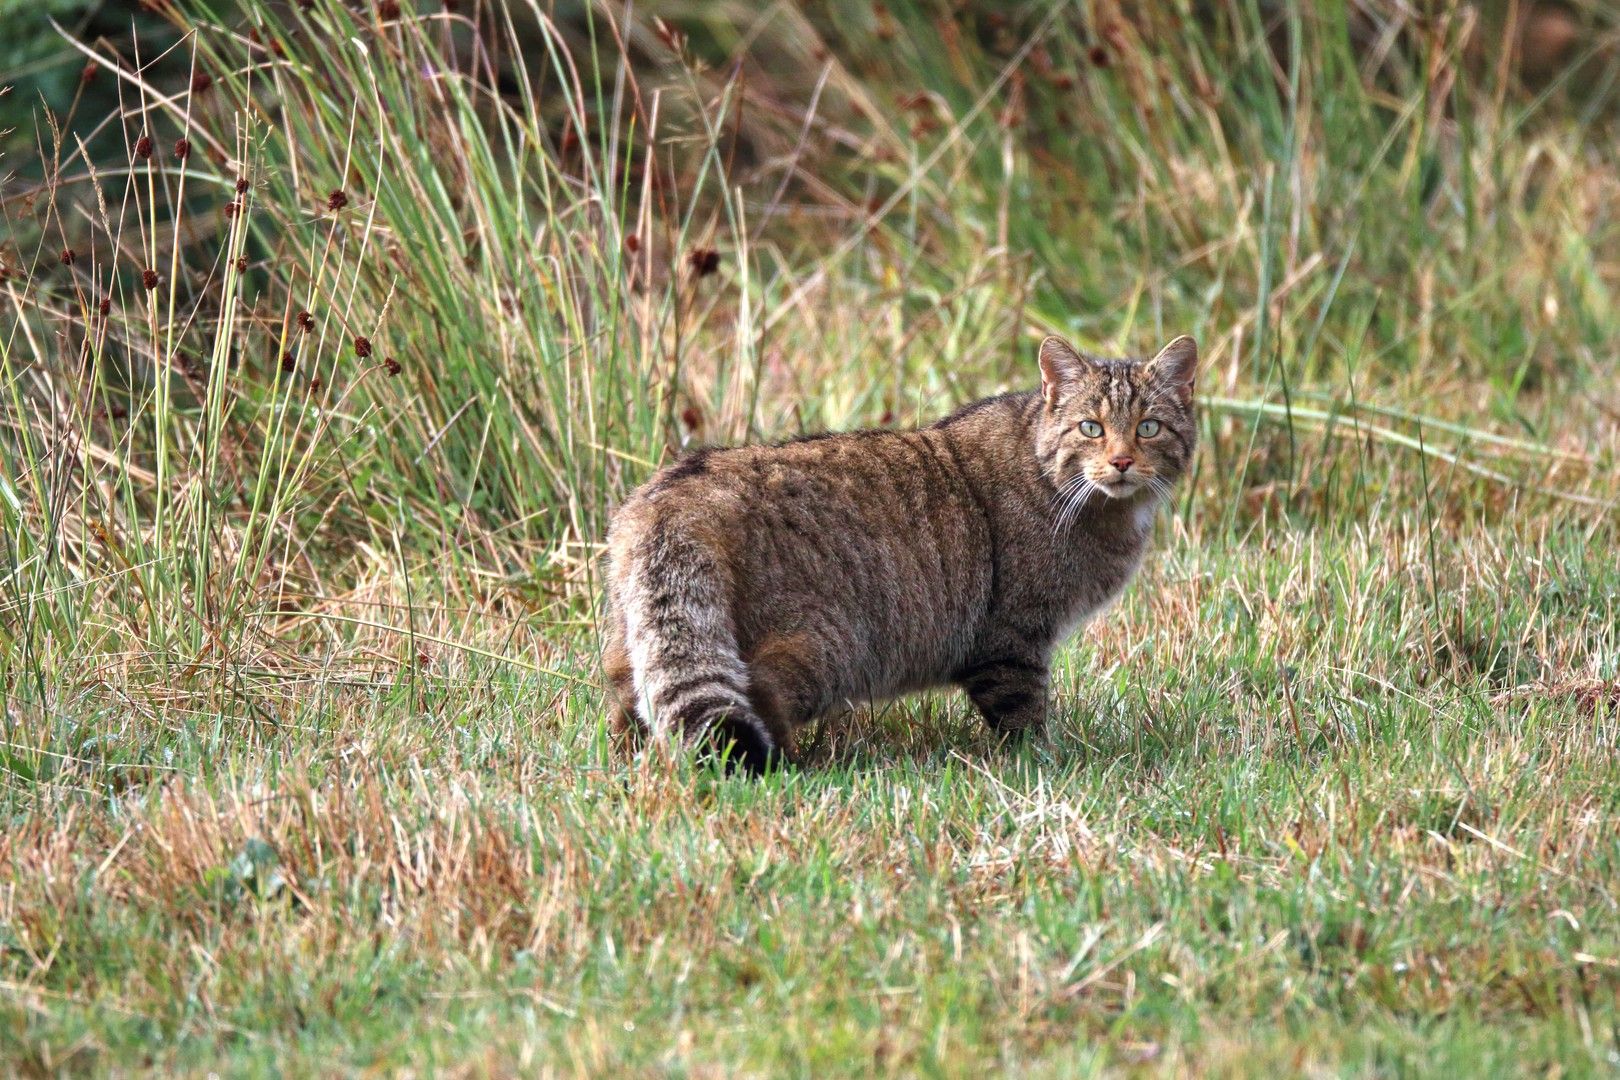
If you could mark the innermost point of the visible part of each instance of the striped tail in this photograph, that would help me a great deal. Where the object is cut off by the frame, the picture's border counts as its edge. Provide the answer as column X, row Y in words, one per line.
column 689, row 679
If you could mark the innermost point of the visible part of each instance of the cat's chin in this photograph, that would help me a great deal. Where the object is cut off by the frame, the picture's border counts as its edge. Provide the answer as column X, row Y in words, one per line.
column 1119, row 489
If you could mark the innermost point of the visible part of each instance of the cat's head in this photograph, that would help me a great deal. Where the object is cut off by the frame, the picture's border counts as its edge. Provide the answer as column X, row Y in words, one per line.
column 1119, row 427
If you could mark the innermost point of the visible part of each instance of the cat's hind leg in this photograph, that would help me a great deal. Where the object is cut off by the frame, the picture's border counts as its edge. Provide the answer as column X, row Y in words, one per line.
column 1009, row 692
column 787, row 684
column 625, row 729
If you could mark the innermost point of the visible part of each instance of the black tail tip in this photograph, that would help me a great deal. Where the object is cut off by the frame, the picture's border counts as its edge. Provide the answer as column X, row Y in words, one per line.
column 740, row 747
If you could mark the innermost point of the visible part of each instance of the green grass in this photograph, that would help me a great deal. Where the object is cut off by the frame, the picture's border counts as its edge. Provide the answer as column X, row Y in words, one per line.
column 1204, row 867
column 302, row 755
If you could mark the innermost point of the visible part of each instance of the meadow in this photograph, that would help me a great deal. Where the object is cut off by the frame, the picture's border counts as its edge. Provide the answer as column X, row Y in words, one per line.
column 331, row 334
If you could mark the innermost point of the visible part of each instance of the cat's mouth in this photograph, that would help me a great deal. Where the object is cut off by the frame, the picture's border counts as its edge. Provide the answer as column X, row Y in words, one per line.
column 1119, row 487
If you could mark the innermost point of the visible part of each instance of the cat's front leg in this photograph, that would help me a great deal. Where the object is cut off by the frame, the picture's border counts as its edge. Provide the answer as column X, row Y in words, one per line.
column 1009, row 692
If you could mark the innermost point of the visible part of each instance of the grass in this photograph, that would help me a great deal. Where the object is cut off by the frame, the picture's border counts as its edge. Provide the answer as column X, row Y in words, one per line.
column 302, row 759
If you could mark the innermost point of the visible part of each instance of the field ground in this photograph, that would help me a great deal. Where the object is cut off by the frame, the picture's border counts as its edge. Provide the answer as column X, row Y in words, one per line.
column 1258, row 837
column 302, row 758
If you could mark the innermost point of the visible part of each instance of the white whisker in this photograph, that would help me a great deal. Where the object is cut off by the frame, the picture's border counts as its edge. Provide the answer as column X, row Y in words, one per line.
column 1163, row 490
column 1071, row 498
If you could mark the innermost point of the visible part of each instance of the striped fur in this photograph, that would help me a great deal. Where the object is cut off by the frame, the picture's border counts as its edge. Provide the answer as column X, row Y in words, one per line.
column 686, row 674
column 753, row 589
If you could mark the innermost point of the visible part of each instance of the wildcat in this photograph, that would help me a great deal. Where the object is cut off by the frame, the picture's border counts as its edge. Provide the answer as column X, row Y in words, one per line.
column 755, row 588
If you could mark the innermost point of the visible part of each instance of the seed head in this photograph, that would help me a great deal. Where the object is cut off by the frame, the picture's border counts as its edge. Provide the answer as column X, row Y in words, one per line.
column 388, row 10
column 241, row 264
column 315, row 384
column 391, row 366
column 703, row 261
column 288, row 364
column 105, row 306
column 143, row 148
column 182, row 149
column 91, row 70
column 231, row 208
column 200, row 82
column 241, row 185
column 68, row 255
column 336, row 200
column 362, row 347
column 1098, row 56
column 632, row 243
column 885, row 22
column 306, row 321
column 672, row 38
column 149, row 279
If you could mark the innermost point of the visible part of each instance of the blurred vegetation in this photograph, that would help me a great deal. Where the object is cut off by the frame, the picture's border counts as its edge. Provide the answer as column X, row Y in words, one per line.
column 47, row 72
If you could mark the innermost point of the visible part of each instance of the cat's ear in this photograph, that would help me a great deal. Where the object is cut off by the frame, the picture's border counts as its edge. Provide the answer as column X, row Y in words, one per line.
column 1176, row 367
column 1060, row 363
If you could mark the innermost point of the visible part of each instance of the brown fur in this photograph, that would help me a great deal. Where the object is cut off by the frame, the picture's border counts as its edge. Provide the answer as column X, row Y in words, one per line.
column 756, row 588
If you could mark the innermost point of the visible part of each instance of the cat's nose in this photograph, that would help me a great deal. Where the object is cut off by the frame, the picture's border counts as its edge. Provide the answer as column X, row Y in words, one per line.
column 1122, row 463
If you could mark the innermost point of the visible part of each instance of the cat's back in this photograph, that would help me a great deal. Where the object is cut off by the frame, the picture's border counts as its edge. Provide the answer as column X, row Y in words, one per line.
column 852, row 495
column 856, row 472
column 879, row 533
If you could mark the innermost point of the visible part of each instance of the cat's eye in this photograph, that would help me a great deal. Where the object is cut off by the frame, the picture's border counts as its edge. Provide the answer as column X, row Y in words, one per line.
column 1147, row 428
column 1091, row 429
